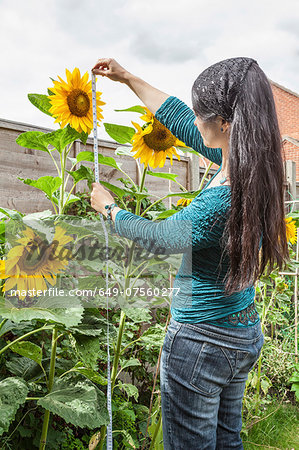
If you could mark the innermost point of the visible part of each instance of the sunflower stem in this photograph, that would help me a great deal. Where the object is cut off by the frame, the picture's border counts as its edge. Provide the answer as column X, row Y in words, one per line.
column 55, row 163
column 43, row 439
column 205, row 176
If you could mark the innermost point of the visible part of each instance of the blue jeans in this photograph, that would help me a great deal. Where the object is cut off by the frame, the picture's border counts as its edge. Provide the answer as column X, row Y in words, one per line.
column 203, row 373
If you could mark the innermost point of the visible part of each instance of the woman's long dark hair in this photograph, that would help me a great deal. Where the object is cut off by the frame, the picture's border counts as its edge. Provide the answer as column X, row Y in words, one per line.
column 257, row 183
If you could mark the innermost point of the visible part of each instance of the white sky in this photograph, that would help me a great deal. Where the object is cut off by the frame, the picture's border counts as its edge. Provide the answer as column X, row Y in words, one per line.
column 166, row 42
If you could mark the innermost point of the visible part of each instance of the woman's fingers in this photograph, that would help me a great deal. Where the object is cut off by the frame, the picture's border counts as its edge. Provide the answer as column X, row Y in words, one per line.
column 110, row 68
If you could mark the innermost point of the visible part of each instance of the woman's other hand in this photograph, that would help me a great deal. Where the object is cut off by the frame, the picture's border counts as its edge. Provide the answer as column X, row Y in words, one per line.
column 108, row 67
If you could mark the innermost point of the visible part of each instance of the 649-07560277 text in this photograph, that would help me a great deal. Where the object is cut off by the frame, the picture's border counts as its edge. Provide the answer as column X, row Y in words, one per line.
column 110, row 292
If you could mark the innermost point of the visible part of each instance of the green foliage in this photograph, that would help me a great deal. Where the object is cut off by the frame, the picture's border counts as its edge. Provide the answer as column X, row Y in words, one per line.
column 80, row 404
column 13, row 393
column 35, row 140
column 139, row 109
column 119, row 133
column 46, row 184
column 28, row 349
column 41, row 102
column 295, row 382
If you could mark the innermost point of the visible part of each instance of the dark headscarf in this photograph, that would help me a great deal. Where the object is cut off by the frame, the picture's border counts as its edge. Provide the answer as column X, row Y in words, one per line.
column 218, row 86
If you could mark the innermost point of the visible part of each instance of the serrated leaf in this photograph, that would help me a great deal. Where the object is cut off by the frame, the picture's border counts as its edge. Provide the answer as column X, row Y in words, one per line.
column 41, row 102
column 138, row 315
column 153, row 336
column 46, row 184
column 87, row 349
column 138, row 108
column 133, row 362
column 129, row 389
column 67, row 316
column 28, row 349
column 13, row 393
column 34, row 140
column 80, row 404
column 119, row 133
column 59, row 139
column 24, row 368
column 104, row 160
column 93, row 324
column 167, row 176
column 83, row 173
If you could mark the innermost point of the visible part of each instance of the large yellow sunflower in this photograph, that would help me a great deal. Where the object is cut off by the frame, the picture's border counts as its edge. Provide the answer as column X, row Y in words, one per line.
column 153, row 142
column 33, row 262
column 291, row 230
column 72, row 101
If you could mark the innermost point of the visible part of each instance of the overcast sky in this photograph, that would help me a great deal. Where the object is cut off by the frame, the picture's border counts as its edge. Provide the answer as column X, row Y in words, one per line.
column 166, row 42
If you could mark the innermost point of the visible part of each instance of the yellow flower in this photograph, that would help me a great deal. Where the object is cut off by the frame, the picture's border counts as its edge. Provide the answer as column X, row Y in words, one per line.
column 153, row 142
column 72, row 101
column 184, row 201
column 33, row 262
column 291, row 230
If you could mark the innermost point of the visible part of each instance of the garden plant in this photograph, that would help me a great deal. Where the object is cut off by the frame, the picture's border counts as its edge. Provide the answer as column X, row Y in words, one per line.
column 53, row 350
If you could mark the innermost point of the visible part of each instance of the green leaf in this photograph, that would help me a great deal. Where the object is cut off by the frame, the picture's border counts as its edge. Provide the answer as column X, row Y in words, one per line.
column 12, row 214
column 133, row 362
column 153, row 336
column 139, row 109
column 47, row 184
column 119, row 133
column 34, row 140
column 28, row 349
column 165, row 214
column 183, row 194
column 83, row 137
column 138, row 315
column 125, row 150
column 167, row 176
column 129, row 389
column 83, row 173
column 24, row 367
column 13, row 393
column 41, row 102
column 81, row 403
column 69, row 317
column 104, row 160
column 92, row 375
column 188, row 150
column 87, row 349
column 93, row 324
column 62, row 137
column 115, row 189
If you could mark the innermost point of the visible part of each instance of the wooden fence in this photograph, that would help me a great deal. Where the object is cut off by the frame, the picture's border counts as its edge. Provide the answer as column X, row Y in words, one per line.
column 21, row 162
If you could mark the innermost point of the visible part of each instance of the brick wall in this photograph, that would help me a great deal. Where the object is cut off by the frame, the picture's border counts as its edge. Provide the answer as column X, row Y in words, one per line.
column 287, row 106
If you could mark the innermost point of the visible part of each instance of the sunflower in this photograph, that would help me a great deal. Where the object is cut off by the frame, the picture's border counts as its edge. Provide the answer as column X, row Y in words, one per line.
column 72, row 101
column 153, row 142
column 184, row 201
column 291, row 230
column 33, row 262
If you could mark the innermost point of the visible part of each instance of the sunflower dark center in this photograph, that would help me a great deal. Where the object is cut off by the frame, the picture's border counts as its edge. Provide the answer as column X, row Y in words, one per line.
column 78, row 102
column 35, row 257
column 160, row 139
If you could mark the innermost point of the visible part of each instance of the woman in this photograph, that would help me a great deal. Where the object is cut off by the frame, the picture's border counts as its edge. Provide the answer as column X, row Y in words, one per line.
column 238, row 228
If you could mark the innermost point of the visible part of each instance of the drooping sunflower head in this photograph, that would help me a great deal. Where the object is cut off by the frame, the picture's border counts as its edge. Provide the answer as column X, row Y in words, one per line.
column 153, row 142
column 34, row 261
column 291, row 230
column 72, row 101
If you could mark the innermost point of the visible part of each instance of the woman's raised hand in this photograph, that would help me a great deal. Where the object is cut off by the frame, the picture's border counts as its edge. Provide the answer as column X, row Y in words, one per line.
column 108, row 67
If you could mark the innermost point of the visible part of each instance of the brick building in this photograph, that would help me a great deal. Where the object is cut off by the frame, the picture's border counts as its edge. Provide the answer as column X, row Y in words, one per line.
column 287, row 106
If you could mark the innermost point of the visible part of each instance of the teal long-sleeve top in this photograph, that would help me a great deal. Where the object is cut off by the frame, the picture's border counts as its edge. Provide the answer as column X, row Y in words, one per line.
column 196, row 231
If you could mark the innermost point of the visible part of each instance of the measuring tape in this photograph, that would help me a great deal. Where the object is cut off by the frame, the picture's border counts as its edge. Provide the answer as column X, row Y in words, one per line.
column 96, row 172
